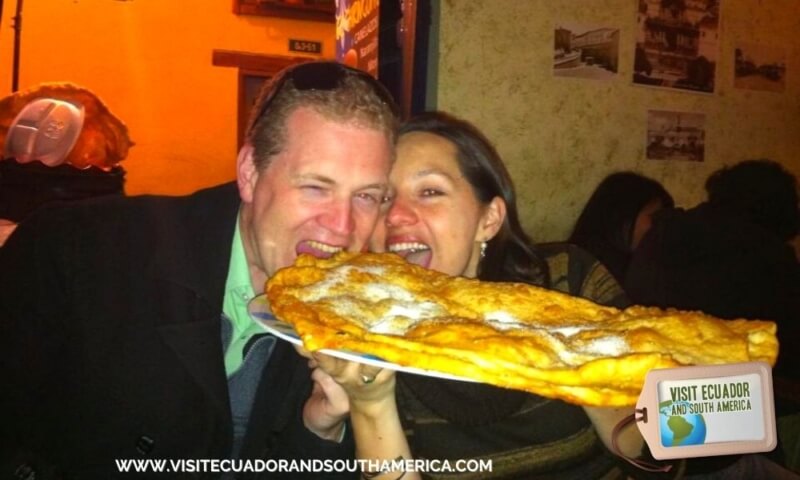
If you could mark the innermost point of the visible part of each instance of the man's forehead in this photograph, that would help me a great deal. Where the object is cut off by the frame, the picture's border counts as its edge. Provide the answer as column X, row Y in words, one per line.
column 380, row 184
column 304, row 113
column 330, row 151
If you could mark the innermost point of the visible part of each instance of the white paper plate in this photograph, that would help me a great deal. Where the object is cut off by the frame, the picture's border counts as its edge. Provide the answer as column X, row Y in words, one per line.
column 259, row 311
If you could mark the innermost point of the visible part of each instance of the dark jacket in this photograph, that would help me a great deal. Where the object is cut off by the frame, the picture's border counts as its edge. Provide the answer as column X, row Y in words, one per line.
column 526, row 436
column 713, row 260
column 110, row 331
column 710, row 259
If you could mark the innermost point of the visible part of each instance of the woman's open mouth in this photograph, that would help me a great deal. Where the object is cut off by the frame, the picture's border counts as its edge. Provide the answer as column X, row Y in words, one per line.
column 414, row 252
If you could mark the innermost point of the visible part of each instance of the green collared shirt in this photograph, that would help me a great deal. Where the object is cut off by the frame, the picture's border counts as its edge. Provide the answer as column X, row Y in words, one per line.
column 238, row 292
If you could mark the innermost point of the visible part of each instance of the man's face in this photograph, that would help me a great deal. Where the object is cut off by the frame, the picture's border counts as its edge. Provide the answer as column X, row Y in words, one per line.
column 320, row 195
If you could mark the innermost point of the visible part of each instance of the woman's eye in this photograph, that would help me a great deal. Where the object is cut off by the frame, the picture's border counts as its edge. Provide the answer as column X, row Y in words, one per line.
column 369, row 197
column 431, row 192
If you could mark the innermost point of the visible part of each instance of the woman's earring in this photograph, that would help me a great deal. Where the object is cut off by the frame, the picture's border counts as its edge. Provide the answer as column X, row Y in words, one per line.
column 483, row 249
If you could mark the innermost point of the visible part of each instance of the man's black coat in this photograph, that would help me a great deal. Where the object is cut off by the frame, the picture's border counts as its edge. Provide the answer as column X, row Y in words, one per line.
column 110, row 332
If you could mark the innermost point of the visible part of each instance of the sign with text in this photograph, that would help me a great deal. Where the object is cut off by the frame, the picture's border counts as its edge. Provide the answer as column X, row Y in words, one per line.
column 708, row 410
column 357, row 23
column 305, row 46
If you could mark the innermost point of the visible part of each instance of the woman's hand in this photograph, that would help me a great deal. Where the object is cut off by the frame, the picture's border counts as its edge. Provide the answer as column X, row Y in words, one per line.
column 630, row 441
column 6, row 229
column 369, row 391
column 368, row 388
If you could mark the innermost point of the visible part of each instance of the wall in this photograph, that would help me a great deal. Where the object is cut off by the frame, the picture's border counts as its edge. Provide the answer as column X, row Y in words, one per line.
column 561, row 136
column 150, row 62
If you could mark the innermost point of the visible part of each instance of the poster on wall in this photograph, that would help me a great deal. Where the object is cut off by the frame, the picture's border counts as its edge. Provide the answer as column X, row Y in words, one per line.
column 585, row 51
column 357, row 34
column 675, row 136
column 677, row 44
column 759, row 67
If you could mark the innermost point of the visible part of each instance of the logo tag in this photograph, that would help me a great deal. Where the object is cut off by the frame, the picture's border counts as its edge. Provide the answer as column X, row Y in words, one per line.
column 708, row 410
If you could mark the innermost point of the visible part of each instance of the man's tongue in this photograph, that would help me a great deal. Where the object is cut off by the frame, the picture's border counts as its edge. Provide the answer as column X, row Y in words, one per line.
column 419, row 257
column 314, row 249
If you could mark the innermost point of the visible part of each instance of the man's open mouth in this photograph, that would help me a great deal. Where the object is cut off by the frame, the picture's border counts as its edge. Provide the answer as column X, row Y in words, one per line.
column 317, row 249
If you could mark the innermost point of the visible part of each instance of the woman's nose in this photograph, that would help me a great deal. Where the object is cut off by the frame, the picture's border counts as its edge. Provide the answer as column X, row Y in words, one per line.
column 400, row 213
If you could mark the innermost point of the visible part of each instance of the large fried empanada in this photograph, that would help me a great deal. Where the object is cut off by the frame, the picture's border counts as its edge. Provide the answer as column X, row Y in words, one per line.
column 507, row 334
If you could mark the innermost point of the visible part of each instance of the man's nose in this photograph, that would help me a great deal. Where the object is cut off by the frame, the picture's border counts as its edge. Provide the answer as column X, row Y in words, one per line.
column 339, row 218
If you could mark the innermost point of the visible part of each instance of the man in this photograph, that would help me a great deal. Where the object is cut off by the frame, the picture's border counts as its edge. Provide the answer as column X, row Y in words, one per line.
column 124, row 321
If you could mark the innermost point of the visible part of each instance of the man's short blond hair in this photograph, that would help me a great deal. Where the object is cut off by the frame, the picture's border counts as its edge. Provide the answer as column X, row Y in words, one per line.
column 355, row 100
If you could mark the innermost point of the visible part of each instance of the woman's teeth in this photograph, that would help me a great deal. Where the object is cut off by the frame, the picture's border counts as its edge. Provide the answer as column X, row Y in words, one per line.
column 409, row 247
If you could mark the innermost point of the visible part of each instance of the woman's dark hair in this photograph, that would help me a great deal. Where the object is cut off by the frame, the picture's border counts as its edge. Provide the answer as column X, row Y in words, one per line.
column 510, row 255
column 760, row 190
column 605, row 226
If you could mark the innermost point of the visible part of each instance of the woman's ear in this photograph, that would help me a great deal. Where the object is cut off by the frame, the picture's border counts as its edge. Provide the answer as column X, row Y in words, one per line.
column 246, row 173
column 493, row 217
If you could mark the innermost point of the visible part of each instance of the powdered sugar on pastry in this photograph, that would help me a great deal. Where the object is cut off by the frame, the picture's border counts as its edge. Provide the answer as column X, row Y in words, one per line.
column 511, row 335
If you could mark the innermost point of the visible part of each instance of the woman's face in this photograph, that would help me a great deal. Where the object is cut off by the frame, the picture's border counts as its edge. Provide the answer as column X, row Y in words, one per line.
column 644, row 220
column 434, row 219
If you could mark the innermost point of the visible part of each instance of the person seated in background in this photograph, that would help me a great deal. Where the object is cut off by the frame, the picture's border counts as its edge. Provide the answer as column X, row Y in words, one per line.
column 452, row 208
column 617, row 216
column 59, row 142
column 730, row 257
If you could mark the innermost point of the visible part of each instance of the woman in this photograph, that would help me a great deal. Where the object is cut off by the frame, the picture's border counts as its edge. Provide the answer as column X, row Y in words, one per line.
column 617, row 216
column 452, row 208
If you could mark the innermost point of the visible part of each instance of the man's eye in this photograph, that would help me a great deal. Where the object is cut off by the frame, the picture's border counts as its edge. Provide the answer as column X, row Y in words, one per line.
column 386, row 199
column 431, row 192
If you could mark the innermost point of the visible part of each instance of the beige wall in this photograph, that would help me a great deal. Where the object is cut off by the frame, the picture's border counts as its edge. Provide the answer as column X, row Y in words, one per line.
column 150, row 61
column 561, row 136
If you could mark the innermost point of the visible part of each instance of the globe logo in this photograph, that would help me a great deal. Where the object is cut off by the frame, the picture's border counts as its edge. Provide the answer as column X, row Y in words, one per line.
column 678, row 426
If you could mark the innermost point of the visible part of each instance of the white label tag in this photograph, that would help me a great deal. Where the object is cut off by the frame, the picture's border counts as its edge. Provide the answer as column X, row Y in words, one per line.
column 708, row 410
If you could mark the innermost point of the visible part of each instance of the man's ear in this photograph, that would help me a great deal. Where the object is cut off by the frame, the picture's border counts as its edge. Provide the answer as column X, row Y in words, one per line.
column 493, row 217
column 246, row 173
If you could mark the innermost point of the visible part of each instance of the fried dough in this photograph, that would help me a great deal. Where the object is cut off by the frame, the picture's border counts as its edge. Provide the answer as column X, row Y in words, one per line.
column 511, row 335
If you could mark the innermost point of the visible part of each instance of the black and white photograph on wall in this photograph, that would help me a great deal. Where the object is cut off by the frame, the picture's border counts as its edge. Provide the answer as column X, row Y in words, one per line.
column 677, row 44
column 759, row 67
column 586, row 51
column 675, row 136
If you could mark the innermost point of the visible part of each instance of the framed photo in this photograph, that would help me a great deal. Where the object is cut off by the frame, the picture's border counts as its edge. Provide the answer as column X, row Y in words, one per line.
column 586, row 51
column 676, row 136
column 677, row 44
column 760, row 67
column 318, row 10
